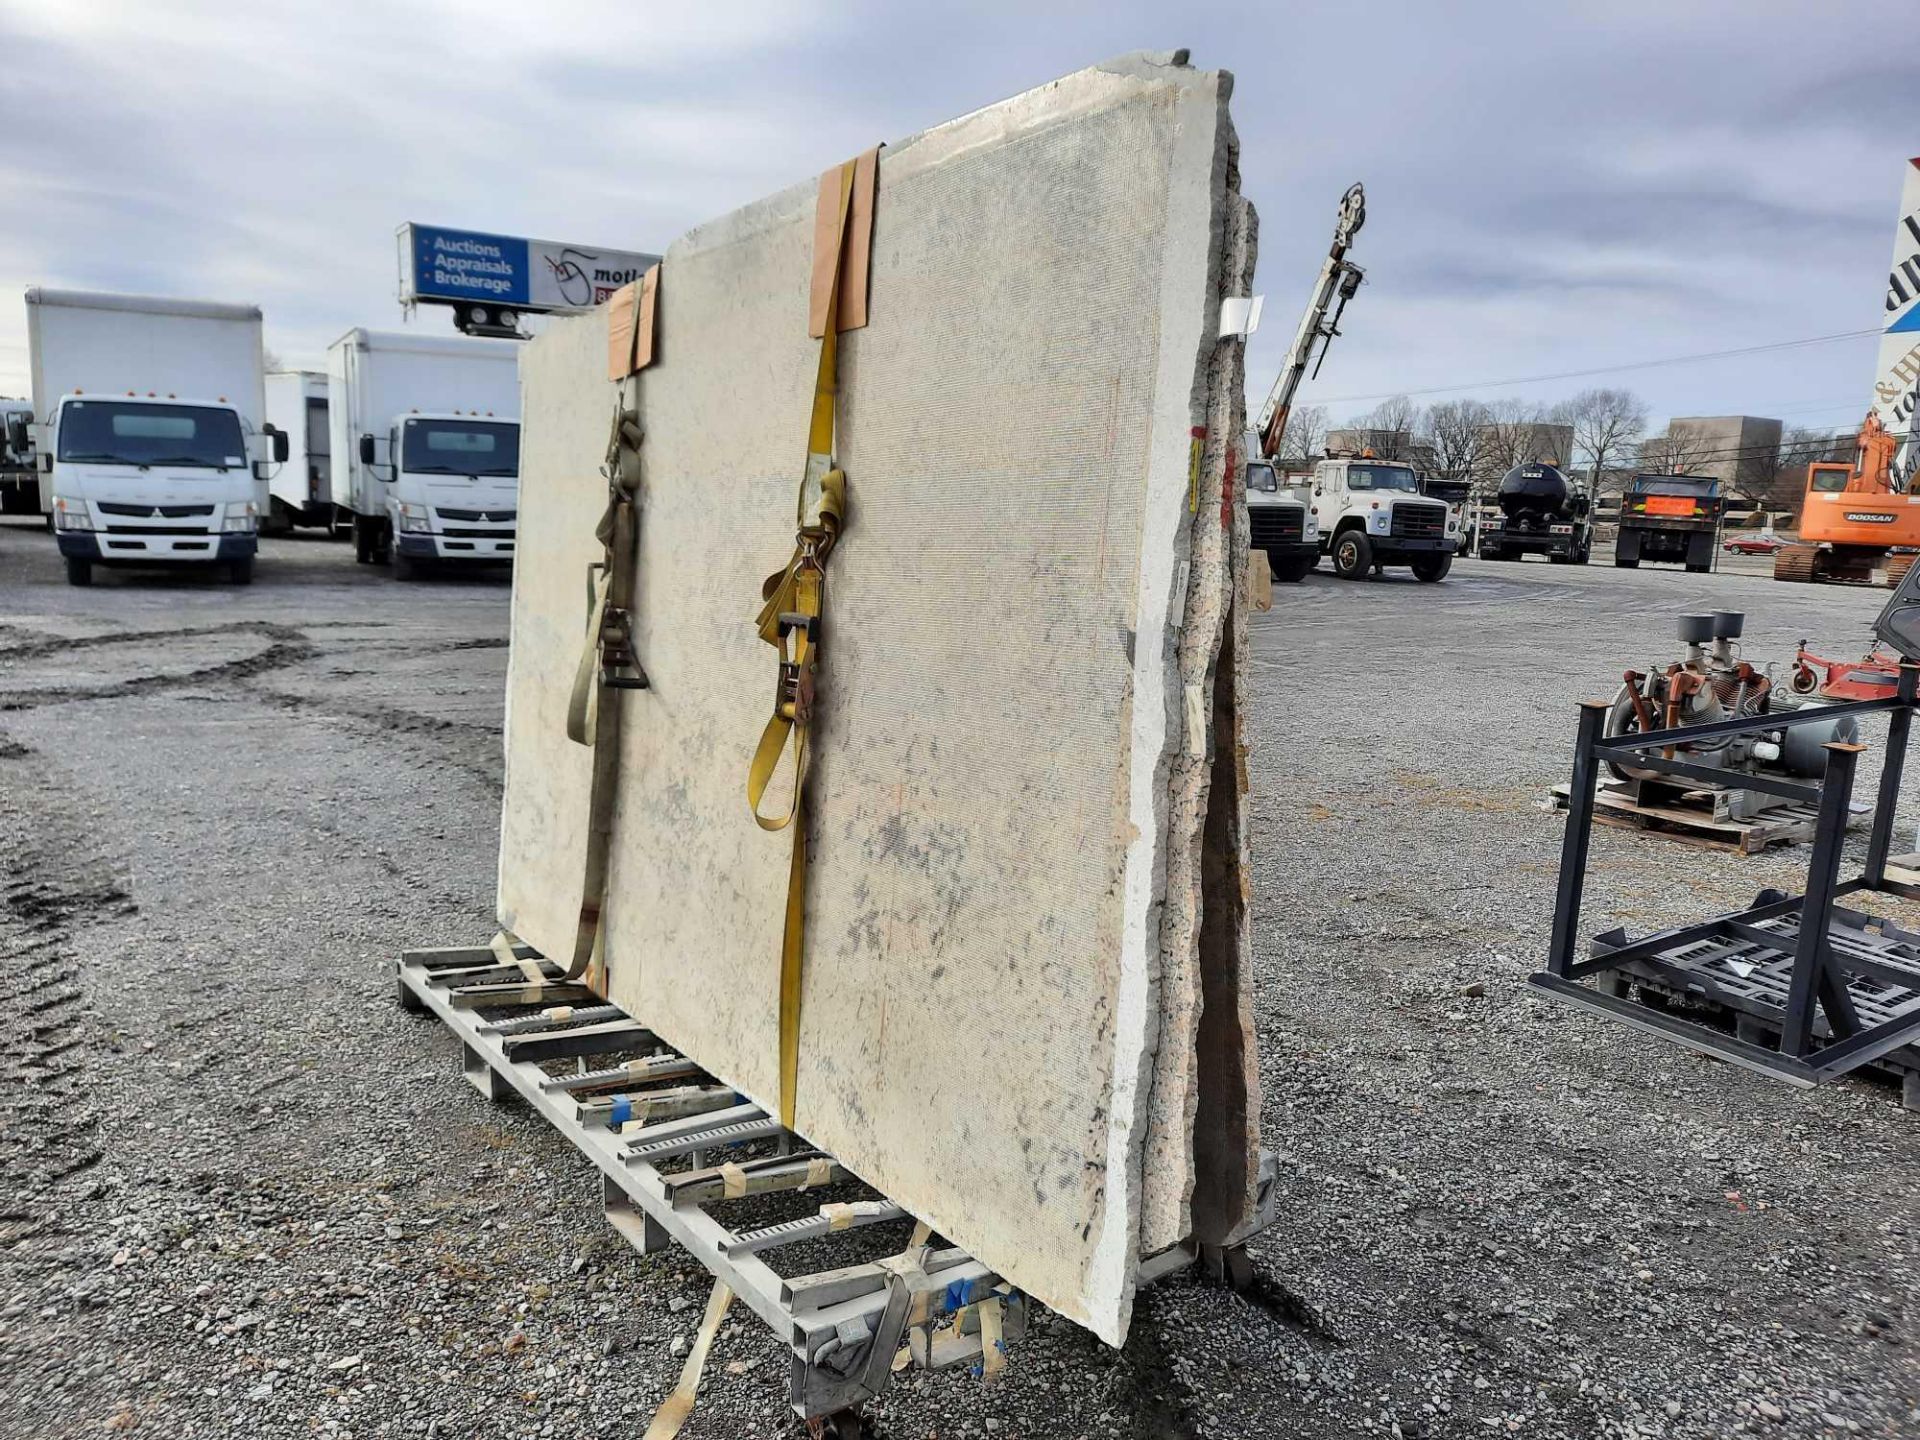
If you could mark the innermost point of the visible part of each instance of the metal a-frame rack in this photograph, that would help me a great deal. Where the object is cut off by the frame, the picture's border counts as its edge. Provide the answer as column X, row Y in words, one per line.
column 663, row 1135
column 1839, row 986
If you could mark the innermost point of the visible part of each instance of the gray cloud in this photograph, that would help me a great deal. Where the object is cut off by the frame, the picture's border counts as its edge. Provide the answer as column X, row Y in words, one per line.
column 1550, row 187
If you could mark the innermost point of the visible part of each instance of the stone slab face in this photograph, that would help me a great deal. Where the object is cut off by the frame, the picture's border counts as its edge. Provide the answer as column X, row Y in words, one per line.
column 1020, row 698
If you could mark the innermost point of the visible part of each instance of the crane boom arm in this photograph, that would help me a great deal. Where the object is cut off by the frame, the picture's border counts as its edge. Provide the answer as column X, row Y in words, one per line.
column 1339, row 278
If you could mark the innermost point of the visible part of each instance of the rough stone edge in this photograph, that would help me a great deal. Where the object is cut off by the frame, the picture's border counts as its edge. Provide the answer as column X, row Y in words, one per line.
column 1190, row 317
column 1169, row 1171
column 1226, row 1079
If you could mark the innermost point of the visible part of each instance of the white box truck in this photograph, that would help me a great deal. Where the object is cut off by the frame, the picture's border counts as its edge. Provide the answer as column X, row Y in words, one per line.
column 149, row 433
column 19, row 476
column 301, row 490
column 426, row 446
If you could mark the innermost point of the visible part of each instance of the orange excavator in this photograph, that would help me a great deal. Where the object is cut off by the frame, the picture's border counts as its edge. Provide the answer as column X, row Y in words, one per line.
column 1854, row 517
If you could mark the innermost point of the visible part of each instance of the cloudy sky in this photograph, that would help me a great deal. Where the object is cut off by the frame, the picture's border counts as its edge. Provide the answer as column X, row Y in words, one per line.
column 1551, row 188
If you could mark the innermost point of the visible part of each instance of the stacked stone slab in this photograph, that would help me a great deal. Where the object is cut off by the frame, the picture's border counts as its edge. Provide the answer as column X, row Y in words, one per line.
column 1025, row 1014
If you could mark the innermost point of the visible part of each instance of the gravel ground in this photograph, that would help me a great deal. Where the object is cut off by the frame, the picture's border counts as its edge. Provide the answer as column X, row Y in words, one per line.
column 242, row 1195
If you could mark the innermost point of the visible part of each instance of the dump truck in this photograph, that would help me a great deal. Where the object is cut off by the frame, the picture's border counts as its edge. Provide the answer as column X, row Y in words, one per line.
column 1669, row 518
column 425, row 440
column 151, row 431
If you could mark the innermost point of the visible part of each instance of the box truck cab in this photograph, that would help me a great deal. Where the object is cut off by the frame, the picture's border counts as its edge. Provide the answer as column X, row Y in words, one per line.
column 19, row 476
column 1372, row 515
column 150, row 437
column 426, row 446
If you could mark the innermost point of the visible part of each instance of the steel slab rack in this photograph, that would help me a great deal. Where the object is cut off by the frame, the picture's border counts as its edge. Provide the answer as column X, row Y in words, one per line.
column 1840, row 987
column 666, row 1181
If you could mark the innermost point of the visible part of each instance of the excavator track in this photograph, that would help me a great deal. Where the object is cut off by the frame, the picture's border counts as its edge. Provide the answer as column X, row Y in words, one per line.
column 1897, row 568
column 1797, row 562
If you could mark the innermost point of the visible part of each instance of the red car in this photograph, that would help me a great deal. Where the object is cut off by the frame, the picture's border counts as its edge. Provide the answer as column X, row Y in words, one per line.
column 1753, row 544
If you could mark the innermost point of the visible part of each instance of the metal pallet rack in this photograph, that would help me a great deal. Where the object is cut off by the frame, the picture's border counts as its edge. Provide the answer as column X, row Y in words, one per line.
column 660, row 1130
column 1840, row 988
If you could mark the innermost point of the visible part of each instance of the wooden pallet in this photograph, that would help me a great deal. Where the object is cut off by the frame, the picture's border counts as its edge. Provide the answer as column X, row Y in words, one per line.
column 1778, row 825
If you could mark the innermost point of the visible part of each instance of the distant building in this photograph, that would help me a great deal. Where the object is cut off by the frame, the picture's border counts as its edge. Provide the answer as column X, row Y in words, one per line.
column 1742, row 451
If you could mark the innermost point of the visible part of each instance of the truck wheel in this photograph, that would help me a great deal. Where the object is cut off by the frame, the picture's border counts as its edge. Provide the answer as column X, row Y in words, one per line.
column 79, row 570
column 1352, row 555
column 1290, row 572
column 1429, row 568
column 362, row 542
column 240, row 572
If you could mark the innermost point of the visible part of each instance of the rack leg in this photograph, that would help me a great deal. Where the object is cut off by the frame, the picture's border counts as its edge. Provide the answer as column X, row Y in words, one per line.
column 1573, row 844
column 481, row 1075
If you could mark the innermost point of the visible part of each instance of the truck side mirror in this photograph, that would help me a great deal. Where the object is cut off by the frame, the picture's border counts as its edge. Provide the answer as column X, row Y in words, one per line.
column 281, row 448
column 17, row 440
column 366, row 449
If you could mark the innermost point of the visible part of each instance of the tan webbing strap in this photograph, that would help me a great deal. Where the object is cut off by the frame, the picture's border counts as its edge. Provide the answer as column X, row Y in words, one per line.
column 607, row 660
column 795, row 596
column 502, row 947
column 673, row 1411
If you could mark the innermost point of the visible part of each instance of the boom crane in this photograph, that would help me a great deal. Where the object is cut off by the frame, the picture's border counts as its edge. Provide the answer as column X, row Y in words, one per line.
column 1339, row 279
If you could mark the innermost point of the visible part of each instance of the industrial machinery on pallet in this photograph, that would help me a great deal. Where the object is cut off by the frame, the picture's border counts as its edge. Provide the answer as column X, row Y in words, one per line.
column 1813, row 988
column 1540, row 512
column 683, row 1159
column 1710, row 684
column 1668, row 518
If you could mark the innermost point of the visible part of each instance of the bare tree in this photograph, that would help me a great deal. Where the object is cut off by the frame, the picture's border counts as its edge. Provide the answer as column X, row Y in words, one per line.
column 1799, row 448
column 1606, row 425
column 1454, row 432
column 1390, row 426
column 1508, row 437
column 1306, row 433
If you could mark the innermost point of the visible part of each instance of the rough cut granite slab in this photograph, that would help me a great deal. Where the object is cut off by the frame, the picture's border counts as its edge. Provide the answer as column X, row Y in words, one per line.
column 1027, row 716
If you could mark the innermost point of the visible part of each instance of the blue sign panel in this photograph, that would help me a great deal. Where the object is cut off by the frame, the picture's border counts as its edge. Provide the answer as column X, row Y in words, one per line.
column 507, row 270
column 468, row 265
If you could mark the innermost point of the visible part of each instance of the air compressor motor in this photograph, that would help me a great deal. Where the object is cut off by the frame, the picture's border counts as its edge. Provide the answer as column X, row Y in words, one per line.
column 1712, row 682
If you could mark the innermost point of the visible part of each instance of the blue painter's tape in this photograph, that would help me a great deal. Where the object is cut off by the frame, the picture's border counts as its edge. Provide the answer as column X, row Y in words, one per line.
column 622, row 1111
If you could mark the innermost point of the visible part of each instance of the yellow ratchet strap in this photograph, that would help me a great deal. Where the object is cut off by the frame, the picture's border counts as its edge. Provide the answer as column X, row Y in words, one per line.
column 789, row 620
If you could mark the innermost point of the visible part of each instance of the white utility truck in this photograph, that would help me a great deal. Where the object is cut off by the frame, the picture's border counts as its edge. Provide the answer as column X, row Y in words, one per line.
column 302, row 489
column 426, row 446
column 1372, row 515
column 151, row 436
column 1279, row 522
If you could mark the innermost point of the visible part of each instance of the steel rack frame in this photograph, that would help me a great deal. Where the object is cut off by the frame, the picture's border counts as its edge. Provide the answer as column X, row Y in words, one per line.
column 1838, row 987
column 660, row 1132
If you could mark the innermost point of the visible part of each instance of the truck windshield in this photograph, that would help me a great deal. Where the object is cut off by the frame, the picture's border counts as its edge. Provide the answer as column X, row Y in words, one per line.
column 115, row 432
column 1261, row 477
column 1381, row 477
column 460, row 447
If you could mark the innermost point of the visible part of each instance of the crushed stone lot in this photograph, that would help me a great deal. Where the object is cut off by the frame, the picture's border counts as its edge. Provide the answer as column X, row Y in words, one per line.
column 243, row 1194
